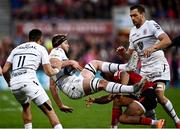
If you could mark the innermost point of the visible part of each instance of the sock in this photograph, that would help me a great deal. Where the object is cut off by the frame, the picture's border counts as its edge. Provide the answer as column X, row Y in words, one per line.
column 151, row 114
column 112, row 67
column 154, row 122
column 119, row 88
column 91, row 68
column 116, row 112
column 58, row 126
column 145, row 121
column 170, row 110
column 28, row 126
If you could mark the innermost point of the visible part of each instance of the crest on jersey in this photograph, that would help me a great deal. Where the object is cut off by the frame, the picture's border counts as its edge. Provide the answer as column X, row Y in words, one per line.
column 140, row 45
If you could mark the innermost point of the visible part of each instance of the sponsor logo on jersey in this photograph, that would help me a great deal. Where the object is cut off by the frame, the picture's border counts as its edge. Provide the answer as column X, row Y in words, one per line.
column 27, row 46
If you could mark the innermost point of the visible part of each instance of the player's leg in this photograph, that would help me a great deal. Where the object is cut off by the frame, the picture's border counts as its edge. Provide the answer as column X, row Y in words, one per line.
column 133, row 115
column 118, row 102
column 27, row 117
column 23, row 99
column 94, row 85
column 91, row 68
column 49, row 111
column 116, row 112
column 122, row 77
column 107, row 67
column 151, row 114
column 38, row 95
column 43, row 102
column 166, row 103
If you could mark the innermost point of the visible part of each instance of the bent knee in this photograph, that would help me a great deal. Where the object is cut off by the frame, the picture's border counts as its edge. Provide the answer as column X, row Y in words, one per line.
column 96, row 63
column 102, row 84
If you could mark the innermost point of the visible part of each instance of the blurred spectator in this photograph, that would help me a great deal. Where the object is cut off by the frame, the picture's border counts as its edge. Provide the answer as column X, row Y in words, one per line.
column 86, row 9
column 7, row 45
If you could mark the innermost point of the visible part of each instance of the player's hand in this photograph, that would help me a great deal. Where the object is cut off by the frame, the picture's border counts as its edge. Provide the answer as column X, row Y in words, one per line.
column 66, row 109
column 147, row 52
column 121, row 50
column 89, row 101
column 77, row 66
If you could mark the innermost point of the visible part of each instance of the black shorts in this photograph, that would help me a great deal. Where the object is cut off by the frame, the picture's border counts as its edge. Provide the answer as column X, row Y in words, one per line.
column 148, row 99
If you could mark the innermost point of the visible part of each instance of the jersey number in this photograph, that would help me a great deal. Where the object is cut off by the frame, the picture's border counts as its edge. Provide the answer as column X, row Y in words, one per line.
column 21, row 61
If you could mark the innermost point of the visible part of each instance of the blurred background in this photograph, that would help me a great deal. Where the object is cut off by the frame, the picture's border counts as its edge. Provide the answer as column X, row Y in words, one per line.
column 95, row 28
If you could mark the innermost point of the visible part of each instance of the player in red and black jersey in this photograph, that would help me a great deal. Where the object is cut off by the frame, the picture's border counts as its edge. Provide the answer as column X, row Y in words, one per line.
column 137, row 104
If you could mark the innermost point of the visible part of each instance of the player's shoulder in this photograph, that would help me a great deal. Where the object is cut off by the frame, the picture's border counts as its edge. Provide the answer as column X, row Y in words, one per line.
column 57, row 50
column 150, row 22
column 133, row 30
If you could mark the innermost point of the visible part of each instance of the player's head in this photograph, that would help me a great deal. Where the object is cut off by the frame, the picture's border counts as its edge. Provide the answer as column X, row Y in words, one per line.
column 137, row 14
column 35, row 35
column 60, row 40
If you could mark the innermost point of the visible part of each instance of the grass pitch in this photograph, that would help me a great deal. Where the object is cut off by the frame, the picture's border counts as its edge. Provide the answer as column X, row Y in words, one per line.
column 97, row 116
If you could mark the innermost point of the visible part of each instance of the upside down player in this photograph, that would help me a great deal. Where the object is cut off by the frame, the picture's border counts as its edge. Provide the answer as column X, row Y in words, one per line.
column 136, row 106
column 78, row 86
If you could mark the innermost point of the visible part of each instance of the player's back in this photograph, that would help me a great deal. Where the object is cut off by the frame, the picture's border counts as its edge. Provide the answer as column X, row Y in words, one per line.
column 25, row 60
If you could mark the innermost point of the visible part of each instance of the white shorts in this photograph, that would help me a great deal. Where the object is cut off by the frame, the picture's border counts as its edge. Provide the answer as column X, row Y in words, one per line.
column 25, row 92
column 156, row 71
column 72, row 86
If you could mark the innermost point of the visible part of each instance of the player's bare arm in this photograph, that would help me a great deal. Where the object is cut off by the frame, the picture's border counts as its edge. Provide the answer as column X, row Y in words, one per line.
column 49, row 70
column 57, row 99
column 5, row 71
column 72, row 63
column 165, row 41
column 101, row 100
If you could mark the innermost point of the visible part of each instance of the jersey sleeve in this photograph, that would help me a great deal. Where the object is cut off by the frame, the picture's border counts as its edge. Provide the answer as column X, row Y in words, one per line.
column 58, row 53
column 156, row 28
column 131, row 45
column 10, row 57
column 45, row 57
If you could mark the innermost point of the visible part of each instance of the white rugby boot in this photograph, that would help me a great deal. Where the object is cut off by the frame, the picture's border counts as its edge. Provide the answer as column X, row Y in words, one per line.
column 133, row 61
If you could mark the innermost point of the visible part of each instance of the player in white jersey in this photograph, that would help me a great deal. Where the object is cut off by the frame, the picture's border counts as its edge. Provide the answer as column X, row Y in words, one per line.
column 23, row 62
column 148, row 39
column 78, row 86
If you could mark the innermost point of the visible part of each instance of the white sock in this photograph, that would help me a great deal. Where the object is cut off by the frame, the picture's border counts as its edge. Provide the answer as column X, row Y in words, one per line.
column 114, row 127
column 153, row 122
column 169, row 108
column 58, row 126
column 119, row 88
column 112, row 67
column 28, row 126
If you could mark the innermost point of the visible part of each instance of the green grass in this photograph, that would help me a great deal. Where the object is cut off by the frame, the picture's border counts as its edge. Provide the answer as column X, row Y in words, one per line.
column 97, row 116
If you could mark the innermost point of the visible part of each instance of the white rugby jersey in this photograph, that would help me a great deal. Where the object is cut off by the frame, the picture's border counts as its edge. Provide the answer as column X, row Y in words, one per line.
column 145, row 37
column 59, row 54
column 25, row 60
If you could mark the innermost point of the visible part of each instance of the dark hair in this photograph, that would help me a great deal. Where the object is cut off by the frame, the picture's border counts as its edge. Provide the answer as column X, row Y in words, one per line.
column 35, row 35
column 140, row 8
column 58, row 39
